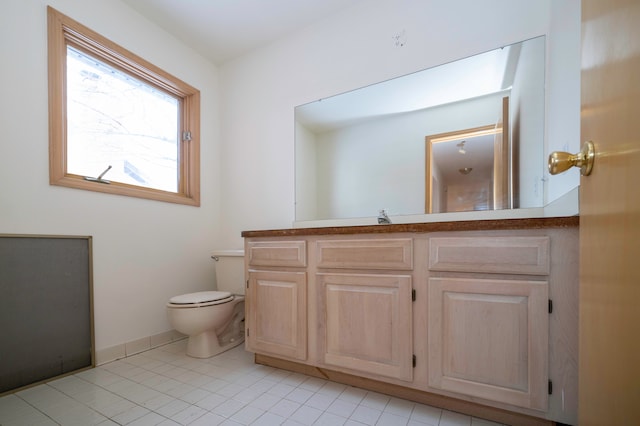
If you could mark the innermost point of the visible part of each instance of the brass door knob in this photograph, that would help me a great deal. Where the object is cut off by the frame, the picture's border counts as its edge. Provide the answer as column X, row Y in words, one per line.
column 562, row 161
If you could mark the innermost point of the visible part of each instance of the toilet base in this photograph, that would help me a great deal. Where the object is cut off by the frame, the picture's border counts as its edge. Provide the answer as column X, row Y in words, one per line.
column 206, row 345
column 209, row 343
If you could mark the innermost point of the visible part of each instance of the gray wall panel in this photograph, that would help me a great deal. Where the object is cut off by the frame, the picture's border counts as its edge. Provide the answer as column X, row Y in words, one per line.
column 45, row 308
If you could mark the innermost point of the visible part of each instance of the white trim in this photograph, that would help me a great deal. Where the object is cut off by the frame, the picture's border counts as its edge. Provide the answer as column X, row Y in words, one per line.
column 133, row 347
column 229, row 253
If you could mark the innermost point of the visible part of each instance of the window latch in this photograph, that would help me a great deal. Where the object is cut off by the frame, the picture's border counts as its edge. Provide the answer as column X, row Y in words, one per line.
column 186, row 136
column 99, row 178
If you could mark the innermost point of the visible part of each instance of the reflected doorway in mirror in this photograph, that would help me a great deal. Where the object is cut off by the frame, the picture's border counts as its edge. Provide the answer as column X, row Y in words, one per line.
column 468, row 170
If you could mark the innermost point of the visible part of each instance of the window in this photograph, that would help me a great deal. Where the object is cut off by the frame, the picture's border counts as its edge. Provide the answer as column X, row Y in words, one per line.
column 117, row 123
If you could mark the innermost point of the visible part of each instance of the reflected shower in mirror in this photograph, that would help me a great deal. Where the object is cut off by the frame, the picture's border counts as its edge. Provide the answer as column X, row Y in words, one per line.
column 397, row 145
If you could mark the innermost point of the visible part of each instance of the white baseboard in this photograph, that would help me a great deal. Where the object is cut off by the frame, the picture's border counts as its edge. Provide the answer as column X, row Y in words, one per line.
column 133, row 347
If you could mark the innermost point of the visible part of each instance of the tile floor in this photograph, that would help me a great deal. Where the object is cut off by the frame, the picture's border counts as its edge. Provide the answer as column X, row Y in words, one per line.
column 164, row 387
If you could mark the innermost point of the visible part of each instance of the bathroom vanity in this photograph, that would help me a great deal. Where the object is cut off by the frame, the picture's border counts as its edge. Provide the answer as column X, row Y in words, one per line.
column 479, row 317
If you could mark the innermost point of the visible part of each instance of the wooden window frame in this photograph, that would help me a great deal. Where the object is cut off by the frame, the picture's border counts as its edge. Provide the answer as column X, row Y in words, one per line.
column 64, row 31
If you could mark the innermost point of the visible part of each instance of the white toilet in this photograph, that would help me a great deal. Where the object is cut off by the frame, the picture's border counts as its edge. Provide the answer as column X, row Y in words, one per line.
column 213, row 320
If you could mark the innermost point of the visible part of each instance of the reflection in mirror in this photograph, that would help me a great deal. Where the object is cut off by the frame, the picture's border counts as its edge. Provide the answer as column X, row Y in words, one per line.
column 464, row 171
column 467, row 169
column 379, row 147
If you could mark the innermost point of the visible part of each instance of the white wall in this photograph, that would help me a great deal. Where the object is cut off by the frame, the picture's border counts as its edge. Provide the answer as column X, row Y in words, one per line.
column 349, row 50
column 306, row 175
column 563, row 93
column 527, row 123
column 143, row 251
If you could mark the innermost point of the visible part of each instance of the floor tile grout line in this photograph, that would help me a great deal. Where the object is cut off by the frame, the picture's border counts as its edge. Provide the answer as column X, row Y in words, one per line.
column 34, row 407
column 241, row 374
column 115, row 394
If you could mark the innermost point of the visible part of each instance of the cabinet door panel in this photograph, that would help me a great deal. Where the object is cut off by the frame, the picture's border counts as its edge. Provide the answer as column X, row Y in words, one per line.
column 396, row 254
column 489, row 338
column 277, row 253
column 501, row 255
column 277, row 313
column 366, row 323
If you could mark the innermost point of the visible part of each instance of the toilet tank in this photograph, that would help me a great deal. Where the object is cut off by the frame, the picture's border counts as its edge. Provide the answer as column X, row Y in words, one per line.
column 229, row 270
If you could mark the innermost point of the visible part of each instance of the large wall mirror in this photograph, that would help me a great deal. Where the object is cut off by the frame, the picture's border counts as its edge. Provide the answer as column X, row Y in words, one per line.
column 457, row 137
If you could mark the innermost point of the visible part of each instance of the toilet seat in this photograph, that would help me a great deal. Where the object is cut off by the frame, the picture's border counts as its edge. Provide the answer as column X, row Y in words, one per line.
column 200, row 299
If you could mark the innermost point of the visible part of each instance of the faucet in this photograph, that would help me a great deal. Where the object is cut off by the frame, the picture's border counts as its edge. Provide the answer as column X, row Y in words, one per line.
column 382, row 217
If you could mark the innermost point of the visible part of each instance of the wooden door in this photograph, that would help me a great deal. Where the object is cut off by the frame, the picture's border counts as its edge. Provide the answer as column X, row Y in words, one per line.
column 488, row 338
column 609, row 372
column 366, row 323
column 502, row 198
column 277, row 313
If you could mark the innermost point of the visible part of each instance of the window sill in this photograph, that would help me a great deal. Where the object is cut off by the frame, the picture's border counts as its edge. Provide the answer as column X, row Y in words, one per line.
column 78, row 182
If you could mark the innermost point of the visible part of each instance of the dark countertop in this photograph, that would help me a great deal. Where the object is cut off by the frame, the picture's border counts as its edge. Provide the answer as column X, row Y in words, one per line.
column 467, row 225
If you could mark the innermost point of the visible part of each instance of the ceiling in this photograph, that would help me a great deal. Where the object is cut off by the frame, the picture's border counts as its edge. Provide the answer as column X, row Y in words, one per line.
column 476, row 76
column 221, row 30
column 477, row 154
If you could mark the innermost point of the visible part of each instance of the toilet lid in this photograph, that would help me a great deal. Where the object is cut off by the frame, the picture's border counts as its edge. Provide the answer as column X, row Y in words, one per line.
column 199, row 297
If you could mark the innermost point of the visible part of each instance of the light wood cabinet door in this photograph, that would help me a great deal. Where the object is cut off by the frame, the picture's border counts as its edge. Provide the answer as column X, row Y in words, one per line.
column 366, row 254
column 488, row 338
column 277, row 313
column 365, row 323
column 291, row 254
